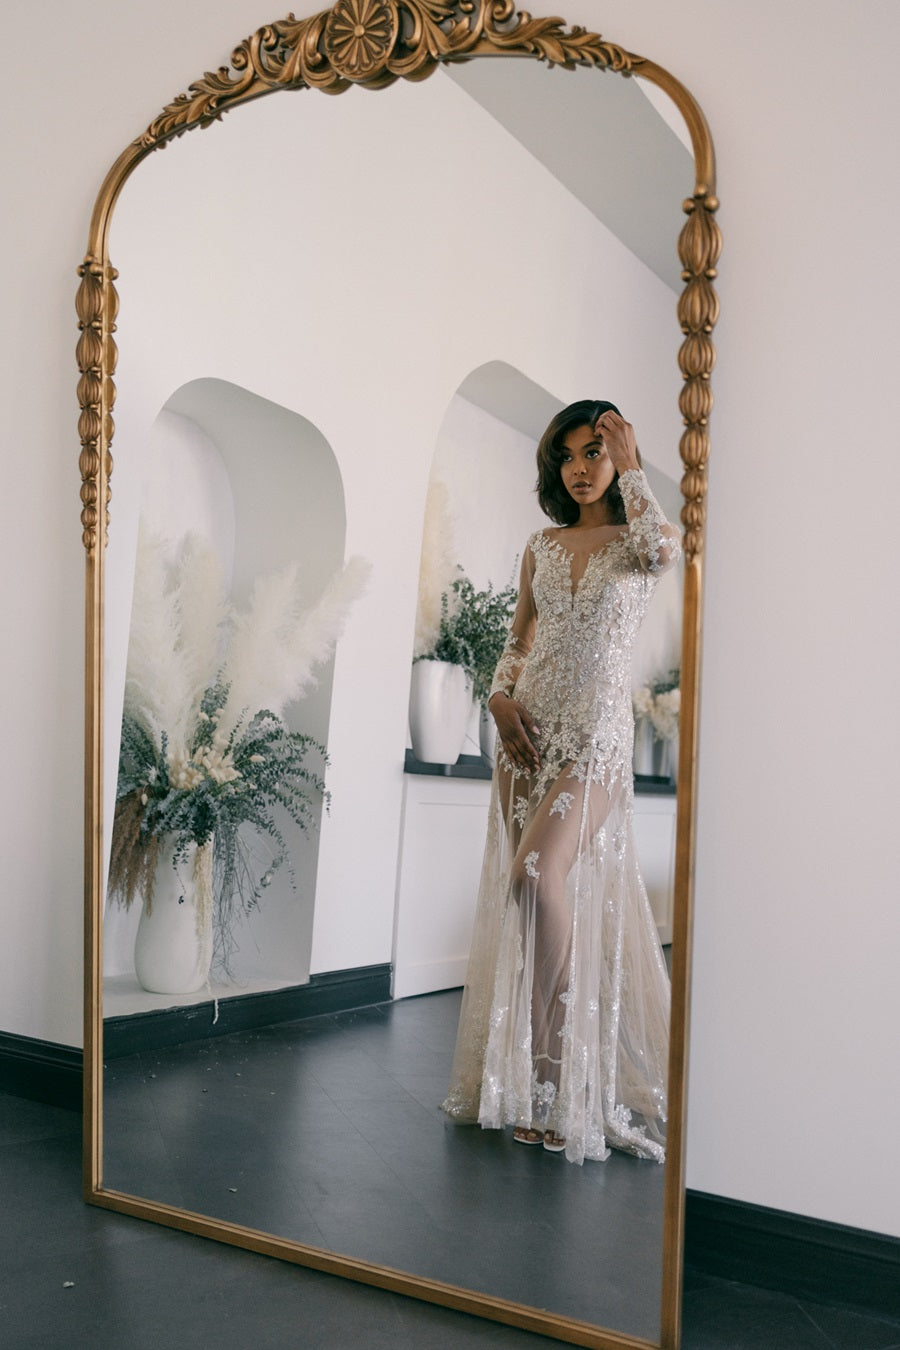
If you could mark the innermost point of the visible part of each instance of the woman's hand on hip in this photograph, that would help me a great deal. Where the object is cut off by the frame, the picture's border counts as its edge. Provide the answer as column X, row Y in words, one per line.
column 516, row 729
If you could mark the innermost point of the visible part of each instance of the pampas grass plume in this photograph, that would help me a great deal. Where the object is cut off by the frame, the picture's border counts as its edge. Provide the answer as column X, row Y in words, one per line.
column 278, row 642
column 437, row 566
column 173, row 646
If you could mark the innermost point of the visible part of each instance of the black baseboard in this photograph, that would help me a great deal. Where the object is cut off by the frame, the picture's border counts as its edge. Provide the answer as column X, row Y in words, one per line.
column 336, row 991
column 40, row 1070
column 46, row 1072
column 807, row 1258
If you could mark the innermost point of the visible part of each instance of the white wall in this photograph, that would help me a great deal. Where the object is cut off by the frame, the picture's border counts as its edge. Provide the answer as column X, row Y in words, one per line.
column 794, row 1088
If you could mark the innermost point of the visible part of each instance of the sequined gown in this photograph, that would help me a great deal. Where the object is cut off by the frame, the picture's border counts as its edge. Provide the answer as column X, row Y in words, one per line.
column 565, row 1015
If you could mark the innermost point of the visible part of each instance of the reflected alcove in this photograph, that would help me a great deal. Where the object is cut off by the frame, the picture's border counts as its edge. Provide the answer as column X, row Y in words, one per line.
column 259, row 486
column 397, row 305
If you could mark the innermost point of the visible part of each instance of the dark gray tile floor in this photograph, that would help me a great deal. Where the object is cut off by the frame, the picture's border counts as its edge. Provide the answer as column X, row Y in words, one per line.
column 74, row 1276
column 329, row 1132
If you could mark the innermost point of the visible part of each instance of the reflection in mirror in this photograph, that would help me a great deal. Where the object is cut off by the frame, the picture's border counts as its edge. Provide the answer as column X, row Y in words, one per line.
column 430, row 311
column 224, row 501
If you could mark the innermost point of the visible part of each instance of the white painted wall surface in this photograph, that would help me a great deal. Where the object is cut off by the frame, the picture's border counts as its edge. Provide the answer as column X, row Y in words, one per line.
column 794, row 1087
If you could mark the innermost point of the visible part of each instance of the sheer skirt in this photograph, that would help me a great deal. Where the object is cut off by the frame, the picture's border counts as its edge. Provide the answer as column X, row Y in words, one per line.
column 565, row 1014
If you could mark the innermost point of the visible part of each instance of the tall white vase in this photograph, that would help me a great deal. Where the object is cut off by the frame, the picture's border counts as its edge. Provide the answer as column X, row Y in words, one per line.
column 644, row 746
column 174, row 943
column 440, row 701
column 487, row 737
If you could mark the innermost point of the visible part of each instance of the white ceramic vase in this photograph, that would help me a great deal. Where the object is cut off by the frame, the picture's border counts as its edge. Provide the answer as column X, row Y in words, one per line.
column 644, row 747
column 670, row 761
column 487, row 737
column 440, row 701
column 174, row 943
column 665, row 759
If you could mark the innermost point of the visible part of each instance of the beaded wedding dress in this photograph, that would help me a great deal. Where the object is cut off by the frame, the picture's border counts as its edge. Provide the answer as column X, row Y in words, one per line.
column 565, row 1015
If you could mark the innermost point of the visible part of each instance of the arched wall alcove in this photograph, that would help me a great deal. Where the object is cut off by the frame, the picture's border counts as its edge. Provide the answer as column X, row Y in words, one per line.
column 260, row 485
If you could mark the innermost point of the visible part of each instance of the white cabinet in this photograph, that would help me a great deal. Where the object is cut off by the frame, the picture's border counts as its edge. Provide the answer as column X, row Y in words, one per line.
column 654, row 837
column 441, row 846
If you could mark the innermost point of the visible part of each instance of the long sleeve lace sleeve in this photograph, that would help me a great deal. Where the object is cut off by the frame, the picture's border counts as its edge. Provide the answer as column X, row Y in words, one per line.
column 521, row 633
column 658, row 543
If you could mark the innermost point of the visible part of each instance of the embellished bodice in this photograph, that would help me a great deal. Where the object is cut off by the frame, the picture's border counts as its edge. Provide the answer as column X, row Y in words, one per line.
column 568, row 654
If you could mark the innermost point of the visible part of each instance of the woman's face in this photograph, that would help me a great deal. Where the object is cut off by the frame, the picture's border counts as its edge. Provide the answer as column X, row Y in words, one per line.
column 587, row 469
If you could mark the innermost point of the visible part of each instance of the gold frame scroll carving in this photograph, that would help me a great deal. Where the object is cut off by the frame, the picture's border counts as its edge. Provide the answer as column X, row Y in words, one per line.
column 374, row 43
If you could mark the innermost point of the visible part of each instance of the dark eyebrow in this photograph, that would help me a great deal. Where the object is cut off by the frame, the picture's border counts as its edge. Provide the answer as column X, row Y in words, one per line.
column 567, row 450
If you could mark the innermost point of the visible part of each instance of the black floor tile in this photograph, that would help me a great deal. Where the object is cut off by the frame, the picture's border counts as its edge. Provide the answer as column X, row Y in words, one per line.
column 852, row 1331
column 330, row 1132
column 73, row 1275
column 741, row 1318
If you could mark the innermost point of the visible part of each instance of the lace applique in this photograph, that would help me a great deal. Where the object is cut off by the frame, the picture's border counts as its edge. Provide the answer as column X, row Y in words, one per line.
column 520, row 955
column 657, row 543
column 520, row 811
column 542, row 1098
column 562, row 804
column 508, row 667
column 531, row 864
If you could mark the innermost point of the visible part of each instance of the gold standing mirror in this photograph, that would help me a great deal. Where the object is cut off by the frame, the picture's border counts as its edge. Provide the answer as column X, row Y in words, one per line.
column 326, row 304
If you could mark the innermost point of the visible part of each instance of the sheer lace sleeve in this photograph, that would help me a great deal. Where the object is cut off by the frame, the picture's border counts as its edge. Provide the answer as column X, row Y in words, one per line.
column 658, row 543
column 521, row 632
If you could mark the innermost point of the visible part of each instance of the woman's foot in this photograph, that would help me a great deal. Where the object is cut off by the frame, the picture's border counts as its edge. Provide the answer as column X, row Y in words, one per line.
column 553, row 1142
column 527, row 1134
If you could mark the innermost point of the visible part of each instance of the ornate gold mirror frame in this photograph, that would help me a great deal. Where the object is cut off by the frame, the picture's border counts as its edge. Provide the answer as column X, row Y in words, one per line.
column 373, row 43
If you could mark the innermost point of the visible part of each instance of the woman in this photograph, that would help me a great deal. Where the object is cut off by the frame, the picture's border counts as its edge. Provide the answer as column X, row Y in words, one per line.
column 564, row 1025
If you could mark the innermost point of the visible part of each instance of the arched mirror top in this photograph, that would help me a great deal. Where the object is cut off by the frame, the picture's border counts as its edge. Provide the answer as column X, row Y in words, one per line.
column 372, row 43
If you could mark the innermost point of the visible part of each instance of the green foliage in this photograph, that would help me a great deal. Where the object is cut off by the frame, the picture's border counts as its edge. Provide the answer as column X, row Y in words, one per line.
column 664, row 684
column 219, row 787
column 473, row 631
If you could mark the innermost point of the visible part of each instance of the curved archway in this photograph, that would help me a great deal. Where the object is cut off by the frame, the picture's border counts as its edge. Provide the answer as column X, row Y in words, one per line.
column 214, row 451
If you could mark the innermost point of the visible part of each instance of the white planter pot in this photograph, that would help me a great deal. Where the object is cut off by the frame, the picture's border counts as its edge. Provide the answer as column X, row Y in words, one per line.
column 440, row 701
column 174, row 943
column 665, row 759
column 644, row 747
column 487, row 737
column 674, row 753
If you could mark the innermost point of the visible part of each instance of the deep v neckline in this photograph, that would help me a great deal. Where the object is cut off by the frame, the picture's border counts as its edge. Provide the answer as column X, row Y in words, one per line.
column 569, row 556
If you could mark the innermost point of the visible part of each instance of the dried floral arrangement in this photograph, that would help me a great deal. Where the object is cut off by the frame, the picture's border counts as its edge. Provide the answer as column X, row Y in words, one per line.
column 205, row 753
column 454, row 622
column 437, row 569
column 660, row 703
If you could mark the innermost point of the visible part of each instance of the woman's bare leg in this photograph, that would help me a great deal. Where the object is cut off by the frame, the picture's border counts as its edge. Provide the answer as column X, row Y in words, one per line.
column 546, row 851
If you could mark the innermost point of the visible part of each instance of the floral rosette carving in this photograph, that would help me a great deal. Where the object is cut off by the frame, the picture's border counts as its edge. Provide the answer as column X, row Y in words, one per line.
column 360, row 36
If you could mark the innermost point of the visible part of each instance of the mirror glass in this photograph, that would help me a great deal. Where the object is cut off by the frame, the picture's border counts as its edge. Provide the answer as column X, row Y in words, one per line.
column 326, row 306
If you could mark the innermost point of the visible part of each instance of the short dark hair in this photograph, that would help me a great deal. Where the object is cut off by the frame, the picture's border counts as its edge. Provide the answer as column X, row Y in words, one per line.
column 553, row 497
